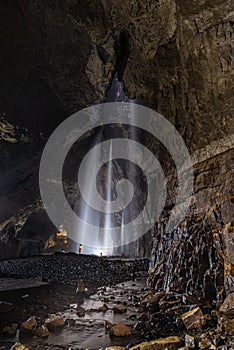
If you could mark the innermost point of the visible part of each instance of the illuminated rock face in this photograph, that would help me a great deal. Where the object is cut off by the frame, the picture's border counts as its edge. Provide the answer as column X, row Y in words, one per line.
column 175, row 56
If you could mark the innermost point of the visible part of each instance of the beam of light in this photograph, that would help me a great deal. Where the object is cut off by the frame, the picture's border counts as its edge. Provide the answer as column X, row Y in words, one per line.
column 107, row 217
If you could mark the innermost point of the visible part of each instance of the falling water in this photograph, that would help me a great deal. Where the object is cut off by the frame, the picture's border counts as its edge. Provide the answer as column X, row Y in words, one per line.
column 85, row 212
column 122, row 233
column 107, row 217
column 115, row 94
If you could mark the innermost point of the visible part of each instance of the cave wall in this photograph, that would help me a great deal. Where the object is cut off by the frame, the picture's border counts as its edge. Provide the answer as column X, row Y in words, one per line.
column 198, row 254
column 175, row 56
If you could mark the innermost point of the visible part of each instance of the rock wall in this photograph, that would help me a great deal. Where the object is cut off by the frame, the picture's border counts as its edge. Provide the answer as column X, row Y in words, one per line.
column 198, row 255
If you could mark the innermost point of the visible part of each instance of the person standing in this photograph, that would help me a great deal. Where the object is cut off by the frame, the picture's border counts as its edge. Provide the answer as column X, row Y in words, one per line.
column 80, row 249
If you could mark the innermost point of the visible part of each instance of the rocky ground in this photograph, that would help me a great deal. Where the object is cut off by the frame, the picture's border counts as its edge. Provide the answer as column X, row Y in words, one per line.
column 68, row 268
column 116, row 312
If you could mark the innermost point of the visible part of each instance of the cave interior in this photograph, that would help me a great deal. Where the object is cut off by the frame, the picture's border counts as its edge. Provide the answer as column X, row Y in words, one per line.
column 116, row 192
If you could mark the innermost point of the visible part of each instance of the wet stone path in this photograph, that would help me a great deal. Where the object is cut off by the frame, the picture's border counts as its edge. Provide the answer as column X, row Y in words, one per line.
column 88, row 312
column 89, row 331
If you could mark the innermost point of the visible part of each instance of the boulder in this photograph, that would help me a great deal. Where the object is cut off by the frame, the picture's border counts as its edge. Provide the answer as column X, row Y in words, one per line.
column 54, row 322
column 42, row 332
column 29, row 326
column 19, row 346
column 228, row 305
column 169, row 343
column 193, row 319
column 10, row 330
column 120, row 330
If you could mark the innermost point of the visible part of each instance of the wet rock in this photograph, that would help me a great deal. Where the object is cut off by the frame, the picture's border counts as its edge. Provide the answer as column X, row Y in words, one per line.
column 227, row 325
column 19, row 346
column 103, row 308
column 115, row 348
column 193, row 319
column 42, row 332
column 119, row 309
column 6, row 307
column 169, row 343
column 140, row 310
column 54, row 322
column 143, row 317
column 108, row 325
column 132, row 317
column 231, row 343
column 80, row 311
column 81, row 287
column 10, row 330
column 139, row 325
column 228, row 305
column 120, row 330
column 169, row 305
column 204, row 343
column 153, row 299
column 29, row 326
column 189, row 341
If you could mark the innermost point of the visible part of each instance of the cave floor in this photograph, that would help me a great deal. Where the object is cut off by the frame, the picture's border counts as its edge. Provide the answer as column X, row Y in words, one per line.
column 31, row 297
column 118, row 293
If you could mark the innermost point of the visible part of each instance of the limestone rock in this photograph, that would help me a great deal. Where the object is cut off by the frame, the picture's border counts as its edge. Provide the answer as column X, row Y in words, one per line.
column 121, row 309
column 42, row 332
column 11, row 329
column 29, row 326
column 80, row 311
column 189, row 341
column 204, row 343
column 19, row 346
column 169, row 343
column 120, row 330
column 153, row 299
column 227, row 325
column 228, row 305
column 54, row 322
column 193, row 319
column 103, row 308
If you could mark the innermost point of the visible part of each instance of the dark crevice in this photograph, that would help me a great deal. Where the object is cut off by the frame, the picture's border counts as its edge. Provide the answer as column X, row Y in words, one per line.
column 122, row 53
